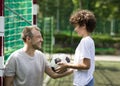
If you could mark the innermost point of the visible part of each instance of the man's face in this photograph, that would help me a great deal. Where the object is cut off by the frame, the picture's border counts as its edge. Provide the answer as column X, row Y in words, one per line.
column 36, row 40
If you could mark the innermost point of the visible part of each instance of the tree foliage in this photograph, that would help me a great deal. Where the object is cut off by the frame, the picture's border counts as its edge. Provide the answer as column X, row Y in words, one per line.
column 50, row 7
column 103, row 9
column 106, row 9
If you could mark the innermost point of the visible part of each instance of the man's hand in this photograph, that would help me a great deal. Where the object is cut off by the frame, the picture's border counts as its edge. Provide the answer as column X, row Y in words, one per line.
column 61, row 68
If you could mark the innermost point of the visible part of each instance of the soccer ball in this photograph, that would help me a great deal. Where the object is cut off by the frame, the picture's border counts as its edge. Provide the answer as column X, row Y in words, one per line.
column 59, row 58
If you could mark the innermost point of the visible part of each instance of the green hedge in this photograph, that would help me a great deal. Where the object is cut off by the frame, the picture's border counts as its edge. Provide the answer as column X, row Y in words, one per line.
column 104, row 44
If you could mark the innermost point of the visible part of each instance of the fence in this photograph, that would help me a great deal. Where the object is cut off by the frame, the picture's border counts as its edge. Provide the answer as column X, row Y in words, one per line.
column 48, row 35
column 18, row 13
column 108, row 27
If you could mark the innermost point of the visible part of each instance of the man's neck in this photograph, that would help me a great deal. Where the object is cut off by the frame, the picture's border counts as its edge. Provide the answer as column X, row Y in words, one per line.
column 29, row 51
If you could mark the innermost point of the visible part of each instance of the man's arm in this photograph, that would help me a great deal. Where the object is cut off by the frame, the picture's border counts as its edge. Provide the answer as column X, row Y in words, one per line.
column 8, row 80
column 54, row 75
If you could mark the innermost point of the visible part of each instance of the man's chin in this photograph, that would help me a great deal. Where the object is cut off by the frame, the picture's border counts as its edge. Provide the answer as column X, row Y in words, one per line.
column 38, row 48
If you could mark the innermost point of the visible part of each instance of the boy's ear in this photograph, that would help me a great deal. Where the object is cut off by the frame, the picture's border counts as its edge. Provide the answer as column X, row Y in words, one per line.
column 84, row 25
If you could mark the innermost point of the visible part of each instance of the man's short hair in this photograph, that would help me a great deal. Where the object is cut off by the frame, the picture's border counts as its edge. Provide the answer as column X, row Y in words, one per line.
column 27, row 31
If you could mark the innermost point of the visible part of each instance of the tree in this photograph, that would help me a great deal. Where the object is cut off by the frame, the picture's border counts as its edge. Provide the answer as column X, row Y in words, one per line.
column 106, row 9
column 50, row 8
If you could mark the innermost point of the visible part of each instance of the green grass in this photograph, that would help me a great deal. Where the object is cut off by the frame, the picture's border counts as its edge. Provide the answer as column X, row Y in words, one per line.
column 106, row 74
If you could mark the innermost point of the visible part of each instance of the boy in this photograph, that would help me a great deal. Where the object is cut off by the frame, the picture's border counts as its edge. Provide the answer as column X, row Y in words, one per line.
column 84, row 22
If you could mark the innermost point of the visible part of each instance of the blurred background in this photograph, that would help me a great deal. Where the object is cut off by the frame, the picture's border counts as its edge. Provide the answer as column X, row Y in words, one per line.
column 106, row 34
column 59, row 36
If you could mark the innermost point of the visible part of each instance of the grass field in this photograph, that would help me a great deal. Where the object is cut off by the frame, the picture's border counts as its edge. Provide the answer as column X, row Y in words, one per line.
column 106, row 74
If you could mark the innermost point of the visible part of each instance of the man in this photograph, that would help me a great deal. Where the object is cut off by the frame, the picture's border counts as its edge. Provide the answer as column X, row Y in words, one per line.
column 26, row 66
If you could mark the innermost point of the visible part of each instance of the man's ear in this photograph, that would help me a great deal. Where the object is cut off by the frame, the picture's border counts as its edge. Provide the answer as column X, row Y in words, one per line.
column 28, row 38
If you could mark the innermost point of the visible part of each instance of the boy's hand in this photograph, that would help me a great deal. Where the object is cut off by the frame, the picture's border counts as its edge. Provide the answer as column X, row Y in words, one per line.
column 61, row 68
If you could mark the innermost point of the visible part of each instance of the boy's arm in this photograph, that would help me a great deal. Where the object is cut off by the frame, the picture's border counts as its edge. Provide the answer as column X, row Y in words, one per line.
column 84, row 65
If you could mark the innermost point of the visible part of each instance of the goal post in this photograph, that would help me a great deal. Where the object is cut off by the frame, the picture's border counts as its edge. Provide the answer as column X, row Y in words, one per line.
column 1, row 41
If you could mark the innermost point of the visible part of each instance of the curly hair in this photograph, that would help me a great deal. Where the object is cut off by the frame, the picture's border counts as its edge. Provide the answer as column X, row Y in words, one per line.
column 84, row 17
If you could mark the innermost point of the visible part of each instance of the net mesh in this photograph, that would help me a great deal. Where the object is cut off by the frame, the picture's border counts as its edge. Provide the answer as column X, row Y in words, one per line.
column 18, row 14
column 48, row 35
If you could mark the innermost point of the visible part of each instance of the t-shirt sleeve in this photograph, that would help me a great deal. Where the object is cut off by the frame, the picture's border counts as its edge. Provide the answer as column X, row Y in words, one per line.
column 46, row 61
column 10, row 66
column 85, row 49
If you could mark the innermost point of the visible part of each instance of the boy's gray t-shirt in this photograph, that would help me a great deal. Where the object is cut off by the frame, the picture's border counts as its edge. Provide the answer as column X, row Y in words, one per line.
column 28, row 71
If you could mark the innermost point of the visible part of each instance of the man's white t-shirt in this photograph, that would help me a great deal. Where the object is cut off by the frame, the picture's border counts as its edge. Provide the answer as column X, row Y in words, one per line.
column 28, row 71
column 85, row 49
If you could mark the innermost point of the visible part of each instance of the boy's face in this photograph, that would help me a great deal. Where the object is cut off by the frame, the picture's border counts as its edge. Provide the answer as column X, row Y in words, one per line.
column 79, row 30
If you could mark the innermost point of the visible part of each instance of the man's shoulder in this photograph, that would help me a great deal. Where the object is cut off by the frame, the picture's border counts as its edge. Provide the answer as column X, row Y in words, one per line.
column 16, row 52
column 38, row 51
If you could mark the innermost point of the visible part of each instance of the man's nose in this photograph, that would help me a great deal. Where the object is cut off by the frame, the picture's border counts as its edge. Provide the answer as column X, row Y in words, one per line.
column 41, row 39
